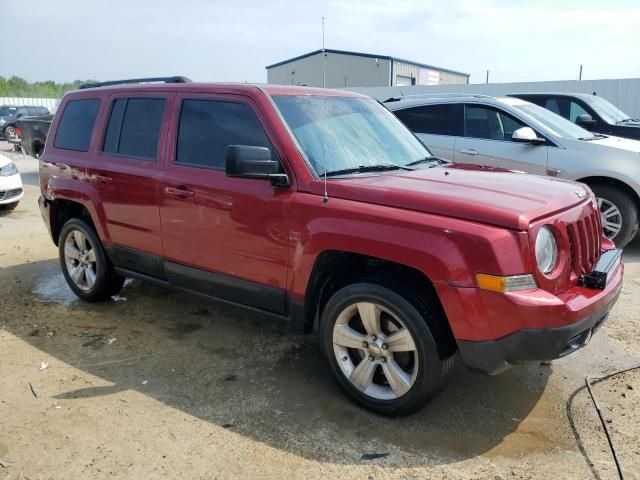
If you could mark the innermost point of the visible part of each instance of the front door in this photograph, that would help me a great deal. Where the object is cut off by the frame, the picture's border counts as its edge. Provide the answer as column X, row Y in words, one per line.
column 487, row 141
column 223, row 236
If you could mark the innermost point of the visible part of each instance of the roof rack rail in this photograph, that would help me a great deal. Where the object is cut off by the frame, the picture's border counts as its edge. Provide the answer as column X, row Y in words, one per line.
column 175, row 79
column 434, row 95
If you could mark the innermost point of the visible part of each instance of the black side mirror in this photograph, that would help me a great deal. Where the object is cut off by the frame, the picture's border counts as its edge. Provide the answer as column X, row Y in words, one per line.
column 585, row 121
column 254, row 162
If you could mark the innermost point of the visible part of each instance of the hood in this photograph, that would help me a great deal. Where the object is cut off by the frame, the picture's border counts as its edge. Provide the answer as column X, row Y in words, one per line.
column 617, row 142
column 4, row 161
column 490, row 196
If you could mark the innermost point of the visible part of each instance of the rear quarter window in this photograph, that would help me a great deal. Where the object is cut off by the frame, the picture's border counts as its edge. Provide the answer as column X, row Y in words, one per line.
column 76, row 125
column 443, row 119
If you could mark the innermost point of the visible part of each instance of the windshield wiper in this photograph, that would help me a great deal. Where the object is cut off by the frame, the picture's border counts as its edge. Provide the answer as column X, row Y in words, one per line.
column 433, row 161
column 627, row 120
column 382, row 167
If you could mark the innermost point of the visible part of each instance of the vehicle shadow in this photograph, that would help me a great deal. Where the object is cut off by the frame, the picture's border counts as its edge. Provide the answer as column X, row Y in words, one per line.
column 243, row 372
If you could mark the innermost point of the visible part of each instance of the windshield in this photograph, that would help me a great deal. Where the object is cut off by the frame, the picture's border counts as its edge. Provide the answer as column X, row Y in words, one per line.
column 357, row 132
column 7, row 111
column 558, row 125
column 609, row 112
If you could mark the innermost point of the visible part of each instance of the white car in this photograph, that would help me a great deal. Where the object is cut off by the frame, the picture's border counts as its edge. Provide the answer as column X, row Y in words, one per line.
column 518, row 135
column 10, row 184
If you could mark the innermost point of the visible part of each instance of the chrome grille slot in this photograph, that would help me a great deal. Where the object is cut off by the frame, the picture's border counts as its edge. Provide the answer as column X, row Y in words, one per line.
column 584, row 242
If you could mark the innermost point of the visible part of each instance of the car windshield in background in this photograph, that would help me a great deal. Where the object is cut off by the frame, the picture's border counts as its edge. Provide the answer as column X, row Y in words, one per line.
column 606, row 110
column 557, row 124
column 7, row 111
column 358, row 133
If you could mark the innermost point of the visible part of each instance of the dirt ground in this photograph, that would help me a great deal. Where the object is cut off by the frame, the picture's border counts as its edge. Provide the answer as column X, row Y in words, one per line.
column 160, row 384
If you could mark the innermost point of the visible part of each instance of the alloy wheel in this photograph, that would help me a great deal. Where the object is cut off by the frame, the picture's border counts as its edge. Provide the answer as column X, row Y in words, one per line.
column 375, row 351
column 80, row 260
column 611, row 218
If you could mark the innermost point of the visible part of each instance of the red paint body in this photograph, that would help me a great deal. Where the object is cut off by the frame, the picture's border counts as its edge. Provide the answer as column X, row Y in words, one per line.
column 447, row 222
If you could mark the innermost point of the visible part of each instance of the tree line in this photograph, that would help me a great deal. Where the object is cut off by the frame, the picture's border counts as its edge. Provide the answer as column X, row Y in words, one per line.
column 19, row 87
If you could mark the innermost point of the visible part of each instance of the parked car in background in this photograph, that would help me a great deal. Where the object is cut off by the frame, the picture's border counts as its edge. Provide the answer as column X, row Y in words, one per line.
column 320, row 208
column 518, row 135
column 10, row 114
column 10, row 184
column 33, row 133
column 591, row 112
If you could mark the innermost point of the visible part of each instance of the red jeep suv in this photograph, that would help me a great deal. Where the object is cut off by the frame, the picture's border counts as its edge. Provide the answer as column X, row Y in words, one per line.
column 320, row 207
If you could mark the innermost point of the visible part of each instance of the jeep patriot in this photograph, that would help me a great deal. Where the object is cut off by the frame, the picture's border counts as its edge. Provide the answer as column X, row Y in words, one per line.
column 321, row 208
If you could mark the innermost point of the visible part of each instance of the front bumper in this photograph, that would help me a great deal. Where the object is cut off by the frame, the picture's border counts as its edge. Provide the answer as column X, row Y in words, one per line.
column 531, row 345
column 549, row 329
column 11, row 189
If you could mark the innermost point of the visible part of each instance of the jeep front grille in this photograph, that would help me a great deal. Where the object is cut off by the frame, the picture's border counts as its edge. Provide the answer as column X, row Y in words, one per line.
column 585, row 241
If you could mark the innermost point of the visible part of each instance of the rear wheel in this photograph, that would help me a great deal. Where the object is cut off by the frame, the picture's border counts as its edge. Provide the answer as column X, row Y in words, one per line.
column 381, row 349
column 9, row 131
column 84, row 263
column 619, row 213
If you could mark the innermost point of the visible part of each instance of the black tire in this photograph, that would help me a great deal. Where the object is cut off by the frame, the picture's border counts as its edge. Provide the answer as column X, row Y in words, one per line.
column 107, row 281
column 9, row 206
column 628, row 210
column 432, row 370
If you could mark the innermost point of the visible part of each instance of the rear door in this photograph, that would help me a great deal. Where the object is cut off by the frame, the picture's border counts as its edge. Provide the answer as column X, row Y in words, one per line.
column 126, row 172
column 487, row 141
column 223, row 236
column 436, row 125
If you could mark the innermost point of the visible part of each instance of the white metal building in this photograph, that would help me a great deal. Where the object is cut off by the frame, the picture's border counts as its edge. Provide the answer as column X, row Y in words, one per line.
column 353, row 69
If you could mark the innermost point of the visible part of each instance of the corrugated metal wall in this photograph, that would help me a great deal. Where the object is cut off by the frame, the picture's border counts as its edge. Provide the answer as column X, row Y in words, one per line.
column 624, row 93
column 50, row 103
column 426, row 76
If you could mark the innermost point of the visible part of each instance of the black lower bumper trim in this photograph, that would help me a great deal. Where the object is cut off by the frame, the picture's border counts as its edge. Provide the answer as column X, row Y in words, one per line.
column 530, row 345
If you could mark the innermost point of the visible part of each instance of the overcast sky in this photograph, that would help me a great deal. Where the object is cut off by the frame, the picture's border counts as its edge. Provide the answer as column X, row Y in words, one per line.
column 210, row 40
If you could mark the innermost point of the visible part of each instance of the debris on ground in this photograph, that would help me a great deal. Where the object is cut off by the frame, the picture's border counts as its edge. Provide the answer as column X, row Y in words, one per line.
column 111, row 340
column 43, row 366
column 5, row 464
column 144, row 382
column 35, row 390
column 373, row 456
column 231, row 378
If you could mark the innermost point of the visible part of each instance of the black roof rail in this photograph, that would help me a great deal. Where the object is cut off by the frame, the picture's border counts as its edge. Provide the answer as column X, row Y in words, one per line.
column 434, row 95
column 175, row 79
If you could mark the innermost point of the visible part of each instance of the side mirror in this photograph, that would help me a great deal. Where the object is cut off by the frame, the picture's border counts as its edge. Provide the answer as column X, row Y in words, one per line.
column 254, row 162
column 585, row 121
column 527, row 135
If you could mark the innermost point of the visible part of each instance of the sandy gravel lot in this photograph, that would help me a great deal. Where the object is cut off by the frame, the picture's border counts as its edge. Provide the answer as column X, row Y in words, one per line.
column 160, row 384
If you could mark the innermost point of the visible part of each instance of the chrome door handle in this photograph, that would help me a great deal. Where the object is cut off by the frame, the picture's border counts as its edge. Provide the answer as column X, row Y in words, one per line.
column 180, row 192
column 469, row 151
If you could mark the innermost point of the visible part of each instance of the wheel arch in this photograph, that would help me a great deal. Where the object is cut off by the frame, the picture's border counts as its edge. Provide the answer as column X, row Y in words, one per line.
column 606, row 180
column 334, row 269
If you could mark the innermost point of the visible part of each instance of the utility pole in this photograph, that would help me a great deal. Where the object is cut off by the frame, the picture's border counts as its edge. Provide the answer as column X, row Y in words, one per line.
column 580, row 75
column 487, row 76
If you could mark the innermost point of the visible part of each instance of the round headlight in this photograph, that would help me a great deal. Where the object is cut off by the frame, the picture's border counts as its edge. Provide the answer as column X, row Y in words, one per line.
column 546, row 250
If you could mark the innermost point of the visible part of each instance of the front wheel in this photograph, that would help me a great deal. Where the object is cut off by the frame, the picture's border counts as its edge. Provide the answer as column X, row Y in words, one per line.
column 618, row 212
column 381, row 349
column 84, row 263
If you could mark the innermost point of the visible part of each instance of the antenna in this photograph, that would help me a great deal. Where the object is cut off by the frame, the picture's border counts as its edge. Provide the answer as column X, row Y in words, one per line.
column 325, row 199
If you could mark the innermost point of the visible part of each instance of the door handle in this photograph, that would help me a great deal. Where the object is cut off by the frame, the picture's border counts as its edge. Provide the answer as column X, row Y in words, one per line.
column 469, row 151
column 181, row 192
column 102, row 178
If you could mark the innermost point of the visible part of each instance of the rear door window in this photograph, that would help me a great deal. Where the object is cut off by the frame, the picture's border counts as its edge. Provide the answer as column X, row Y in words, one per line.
column 76, row 125
column 134, row 127
column 207, row 127
column 433, row 119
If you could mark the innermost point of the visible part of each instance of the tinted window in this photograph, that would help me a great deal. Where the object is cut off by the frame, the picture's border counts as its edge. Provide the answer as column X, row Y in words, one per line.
column 134, row 127
column 575, row 110
column 433, row 119
column 207, row 127
column 490, row 124
column 76, row 125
